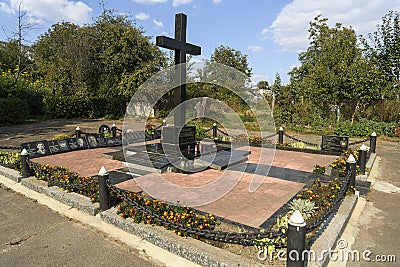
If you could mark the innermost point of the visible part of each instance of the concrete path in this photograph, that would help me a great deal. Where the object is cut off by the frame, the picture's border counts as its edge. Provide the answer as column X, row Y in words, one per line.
column 40, row 231
column 374, row 226
column 34, row 235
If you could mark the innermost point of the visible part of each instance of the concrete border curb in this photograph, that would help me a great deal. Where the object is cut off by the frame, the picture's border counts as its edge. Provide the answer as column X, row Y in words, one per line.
column 72, row 199
column 330, row 236
column 10, row 174
column 191, row 249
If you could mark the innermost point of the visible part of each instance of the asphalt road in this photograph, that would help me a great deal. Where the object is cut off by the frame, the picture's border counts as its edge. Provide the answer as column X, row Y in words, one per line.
column 378, row 223
column 372, row 234
column 34, row 235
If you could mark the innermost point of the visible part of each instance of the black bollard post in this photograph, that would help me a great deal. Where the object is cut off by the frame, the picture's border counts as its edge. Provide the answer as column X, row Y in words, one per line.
column 114, row 130
column 214, row 129
column 280, row 135
column 104, row 192
column 296, row 240
column 24, row 162
column 372, row 142
column 351, row 167
column 78, row 132
column 362, row 158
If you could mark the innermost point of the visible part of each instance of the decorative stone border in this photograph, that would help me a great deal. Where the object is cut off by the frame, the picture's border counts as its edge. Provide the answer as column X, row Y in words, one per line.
column 332, row 232
column 10, row 174
column 72, row 199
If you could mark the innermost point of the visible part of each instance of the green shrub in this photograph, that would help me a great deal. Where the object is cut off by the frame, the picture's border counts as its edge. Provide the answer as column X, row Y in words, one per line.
column 59, row 106
column 84, row 107
column 365, row 128
column 13, row 110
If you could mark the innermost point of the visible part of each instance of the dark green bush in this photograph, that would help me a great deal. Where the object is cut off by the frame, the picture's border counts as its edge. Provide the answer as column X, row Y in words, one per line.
column 364, row 128
column 66, row 106
column 13, row 110
column 84, row 107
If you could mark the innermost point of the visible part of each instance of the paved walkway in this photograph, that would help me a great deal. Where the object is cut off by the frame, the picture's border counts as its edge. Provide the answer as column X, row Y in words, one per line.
column 34, row 235
column 287, row 176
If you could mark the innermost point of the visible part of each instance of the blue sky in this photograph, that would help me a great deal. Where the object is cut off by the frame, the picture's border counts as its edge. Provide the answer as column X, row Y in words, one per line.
column 272, row 33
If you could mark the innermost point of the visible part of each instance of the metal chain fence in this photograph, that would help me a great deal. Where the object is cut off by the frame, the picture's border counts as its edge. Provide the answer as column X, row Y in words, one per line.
column 299, row 140
column 333, row 207
column 245, row 239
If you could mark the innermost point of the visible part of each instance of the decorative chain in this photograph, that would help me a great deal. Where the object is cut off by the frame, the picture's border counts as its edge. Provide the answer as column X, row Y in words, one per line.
column 299, row 140
column 358, row 142
column 224, row 133
column 269, row 136
column 333, row 207
column 245, row 239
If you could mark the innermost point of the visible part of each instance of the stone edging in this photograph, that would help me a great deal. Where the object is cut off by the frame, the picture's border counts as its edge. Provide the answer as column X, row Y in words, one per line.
column 10, row 174
column 327, row 240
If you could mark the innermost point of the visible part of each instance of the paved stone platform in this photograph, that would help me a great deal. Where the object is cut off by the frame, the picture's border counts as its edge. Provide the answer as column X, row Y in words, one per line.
column 288, row 175
column 85, row 162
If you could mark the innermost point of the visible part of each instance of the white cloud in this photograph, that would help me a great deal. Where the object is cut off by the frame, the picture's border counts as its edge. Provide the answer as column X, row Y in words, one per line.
column 255, row 48
column 217, row 1
column 142, row 16
column 158, row 24
column 258, row 77
column 290, row 28
column 50, row 10
column 265, row 31
column 176, row 3
column 150, row 2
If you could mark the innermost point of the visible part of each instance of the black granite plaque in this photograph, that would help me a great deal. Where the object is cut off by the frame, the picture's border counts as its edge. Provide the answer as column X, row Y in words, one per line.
column 113, row 141
column 37, row 149
column 185, row 135
column 95, row 140
column 335, row 143
column 186, row 150
column 58, row 146
column 77, row 143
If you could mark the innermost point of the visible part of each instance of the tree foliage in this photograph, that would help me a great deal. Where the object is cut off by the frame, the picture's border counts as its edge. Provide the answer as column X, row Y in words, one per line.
column 333, row 74
column 109, row 58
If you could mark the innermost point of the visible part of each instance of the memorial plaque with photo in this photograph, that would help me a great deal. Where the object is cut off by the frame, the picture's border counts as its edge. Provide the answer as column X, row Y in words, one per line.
column 79, row 142
column 92, row 141
column 37, row 149
column 113, row 141
column 95, row 140
column 334, row 143
column 58, row 146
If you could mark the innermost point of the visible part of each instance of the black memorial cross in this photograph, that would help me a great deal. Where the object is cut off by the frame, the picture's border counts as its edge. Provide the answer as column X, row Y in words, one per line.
column 181, row 49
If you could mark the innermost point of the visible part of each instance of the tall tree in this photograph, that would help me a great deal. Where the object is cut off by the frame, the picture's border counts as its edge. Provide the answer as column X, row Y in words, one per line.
column 383, row 47
column 328, row 76
column 232, row 58
column 108, row 58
